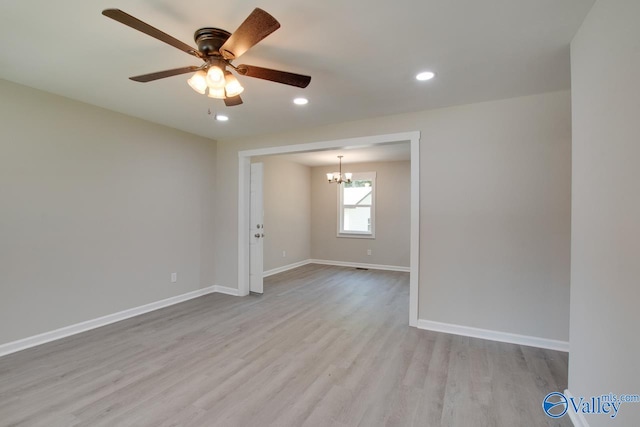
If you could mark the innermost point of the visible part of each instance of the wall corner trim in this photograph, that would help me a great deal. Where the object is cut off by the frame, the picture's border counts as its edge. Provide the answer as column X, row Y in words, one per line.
column 487, row 334
column 226, row 290
column 35, row 340
column 577, row 419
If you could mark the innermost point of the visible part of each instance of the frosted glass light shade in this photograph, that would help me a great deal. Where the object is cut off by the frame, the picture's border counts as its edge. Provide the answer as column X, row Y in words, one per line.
column 198, row 82
column 215, row 78
column 216, row 93
column 233, row 86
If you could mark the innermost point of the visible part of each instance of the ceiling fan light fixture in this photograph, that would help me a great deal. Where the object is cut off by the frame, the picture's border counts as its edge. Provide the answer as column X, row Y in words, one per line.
column 198, row 82
column 301, row 101
column 217, row 93
column 215, row 78
column 233, row 86
column 216, row 48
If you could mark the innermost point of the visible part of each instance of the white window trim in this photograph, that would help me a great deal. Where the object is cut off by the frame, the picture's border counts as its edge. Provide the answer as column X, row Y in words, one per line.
column 371, row 176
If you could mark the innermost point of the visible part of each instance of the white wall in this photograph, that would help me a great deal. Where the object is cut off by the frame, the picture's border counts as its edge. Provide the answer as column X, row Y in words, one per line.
column 605, row 267
column 287, row 212
column 97, row 209
column 495, row 209
column 392, row 214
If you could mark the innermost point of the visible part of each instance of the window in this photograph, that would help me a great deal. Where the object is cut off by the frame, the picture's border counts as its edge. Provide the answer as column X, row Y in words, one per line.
column 356, row 206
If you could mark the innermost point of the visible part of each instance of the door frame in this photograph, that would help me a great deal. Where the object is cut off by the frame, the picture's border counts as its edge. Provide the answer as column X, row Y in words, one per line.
column 244, row 169
column 256, row 286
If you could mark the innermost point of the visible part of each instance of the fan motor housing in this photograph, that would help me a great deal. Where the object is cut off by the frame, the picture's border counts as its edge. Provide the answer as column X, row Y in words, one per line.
column 210, row 40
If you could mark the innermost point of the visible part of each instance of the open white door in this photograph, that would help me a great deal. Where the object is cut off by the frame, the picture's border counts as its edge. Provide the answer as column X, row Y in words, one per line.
column 256, row 229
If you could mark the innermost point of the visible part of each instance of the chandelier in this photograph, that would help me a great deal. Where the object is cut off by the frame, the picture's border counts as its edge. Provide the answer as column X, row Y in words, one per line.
column 338, row 177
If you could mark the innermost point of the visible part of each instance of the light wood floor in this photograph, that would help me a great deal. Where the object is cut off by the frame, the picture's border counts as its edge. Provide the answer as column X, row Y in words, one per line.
column 325, row 346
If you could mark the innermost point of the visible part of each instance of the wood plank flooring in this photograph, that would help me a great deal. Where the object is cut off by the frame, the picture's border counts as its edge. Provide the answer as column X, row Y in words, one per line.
column 324, row 346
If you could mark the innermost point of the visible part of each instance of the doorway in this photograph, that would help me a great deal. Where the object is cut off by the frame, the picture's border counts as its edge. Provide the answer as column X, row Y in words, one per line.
column 244, row 202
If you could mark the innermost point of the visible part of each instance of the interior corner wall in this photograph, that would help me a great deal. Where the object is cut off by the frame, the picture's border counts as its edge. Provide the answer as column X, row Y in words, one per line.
column 605, row 272
column 287, row 212
column 495, row 209
column 392, row 217
column 97, row 209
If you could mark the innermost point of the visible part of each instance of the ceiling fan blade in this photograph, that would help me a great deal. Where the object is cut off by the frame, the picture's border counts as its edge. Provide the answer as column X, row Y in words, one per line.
column 234, row 100
column 283, row 77
column 144, row 78
column 136, row 24
column 258, row 25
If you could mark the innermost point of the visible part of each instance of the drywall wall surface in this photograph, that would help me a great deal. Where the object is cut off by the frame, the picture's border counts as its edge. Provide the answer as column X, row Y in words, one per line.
column 97, row 209
column 605, row 243
column 287, row 212
column 390, row 247
column 495, row 202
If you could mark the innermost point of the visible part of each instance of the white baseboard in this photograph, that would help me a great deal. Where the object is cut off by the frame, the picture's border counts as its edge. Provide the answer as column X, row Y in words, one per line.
column 487, row 334
column 334, row 263
column 360, row 265
column 285, row 268
column 577, row 419
column 66, row 331
column 225, row 290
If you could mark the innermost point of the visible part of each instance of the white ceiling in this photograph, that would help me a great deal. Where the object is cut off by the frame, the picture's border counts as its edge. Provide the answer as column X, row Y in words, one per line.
column 362, row 56
column 375, row 153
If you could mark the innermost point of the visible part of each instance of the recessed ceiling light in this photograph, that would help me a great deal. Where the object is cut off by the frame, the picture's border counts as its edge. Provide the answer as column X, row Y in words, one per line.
column 301, row 101
column 221, row 118
column 425, row 75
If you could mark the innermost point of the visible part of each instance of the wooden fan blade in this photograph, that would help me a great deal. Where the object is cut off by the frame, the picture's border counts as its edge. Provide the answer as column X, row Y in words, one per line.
column 144, row 78
column 136, row 24
column 234, row 100
column 258, row 25
column 283, row 77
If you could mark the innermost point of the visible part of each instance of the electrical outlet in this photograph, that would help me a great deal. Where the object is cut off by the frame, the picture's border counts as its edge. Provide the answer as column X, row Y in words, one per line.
column 368, row 251
column 174, row 277
column 284, row 254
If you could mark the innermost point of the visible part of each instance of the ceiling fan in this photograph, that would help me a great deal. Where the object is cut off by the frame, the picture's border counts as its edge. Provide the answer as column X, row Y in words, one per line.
column 217, row 48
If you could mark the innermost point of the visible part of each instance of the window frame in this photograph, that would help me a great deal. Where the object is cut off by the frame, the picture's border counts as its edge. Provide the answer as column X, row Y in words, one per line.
column 369, row 176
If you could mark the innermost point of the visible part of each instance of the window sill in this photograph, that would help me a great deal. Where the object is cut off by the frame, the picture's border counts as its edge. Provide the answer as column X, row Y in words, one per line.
column 357, row 235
